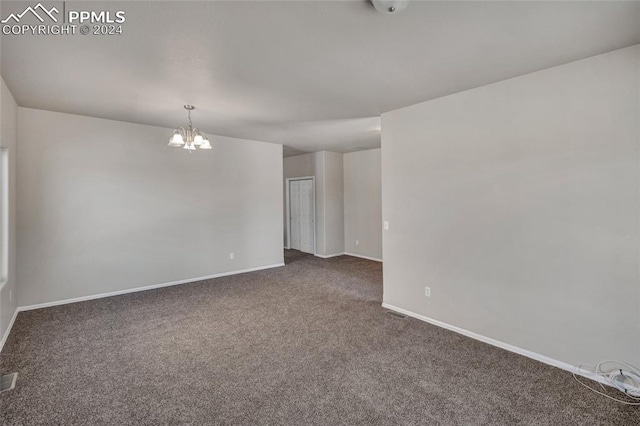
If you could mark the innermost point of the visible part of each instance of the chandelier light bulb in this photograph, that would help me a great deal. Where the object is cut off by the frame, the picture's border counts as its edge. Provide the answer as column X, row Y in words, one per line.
column 205, row 144
column 176, row 140
column 197, row 141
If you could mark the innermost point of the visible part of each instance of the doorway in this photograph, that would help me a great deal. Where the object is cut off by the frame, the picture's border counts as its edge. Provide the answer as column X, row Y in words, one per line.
column 301, row 214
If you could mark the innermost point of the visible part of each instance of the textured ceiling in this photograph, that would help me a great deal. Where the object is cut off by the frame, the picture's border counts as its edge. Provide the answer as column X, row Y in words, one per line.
column 309, row 75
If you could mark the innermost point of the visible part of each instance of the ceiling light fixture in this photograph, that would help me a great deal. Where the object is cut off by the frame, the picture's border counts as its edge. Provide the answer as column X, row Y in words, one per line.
column 189, row 137
column 390, row 7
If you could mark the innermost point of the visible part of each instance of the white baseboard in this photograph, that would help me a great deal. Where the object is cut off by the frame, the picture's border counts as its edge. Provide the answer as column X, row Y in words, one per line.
column 149, row 287
column 327, row 256
column 6, row 333
column 506, row 346
column 375, row 259
column 347, row 254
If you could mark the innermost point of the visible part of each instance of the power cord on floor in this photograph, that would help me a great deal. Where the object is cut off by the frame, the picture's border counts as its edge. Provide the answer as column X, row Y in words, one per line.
column 624, row 377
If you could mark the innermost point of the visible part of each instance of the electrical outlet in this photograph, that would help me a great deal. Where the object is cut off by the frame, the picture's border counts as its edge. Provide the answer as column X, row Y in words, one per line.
column 427, row 291
column 10, row 295
column 357, row 242
column 232, row 256
column 386, row 225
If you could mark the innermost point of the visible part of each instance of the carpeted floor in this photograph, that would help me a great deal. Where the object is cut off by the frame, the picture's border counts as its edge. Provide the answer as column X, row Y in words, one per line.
column 307, row 343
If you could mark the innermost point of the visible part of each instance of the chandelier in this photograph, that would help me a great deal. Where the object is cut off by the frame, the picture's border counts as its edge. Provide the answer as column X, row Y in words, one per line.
column 189, row 137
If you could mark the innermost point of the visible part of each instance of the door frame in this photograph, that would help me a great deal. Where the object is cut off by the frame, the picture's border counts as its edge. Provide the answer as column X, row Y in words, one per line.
column 288, row 209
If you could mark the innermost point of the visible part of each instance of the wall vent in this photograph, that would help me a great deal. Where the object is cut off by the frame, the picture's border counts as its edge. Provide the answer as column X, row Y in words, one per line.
column 8, row 382
column 396, row 314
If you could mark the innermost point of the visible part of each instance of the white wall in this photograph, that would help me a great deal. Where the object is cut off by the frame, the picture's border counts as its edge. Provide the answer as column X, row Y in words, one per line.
column 329, row 171
column 298, row 166
column 363, row 203
column 518, row 204
column 105, row 206
column 8, row 139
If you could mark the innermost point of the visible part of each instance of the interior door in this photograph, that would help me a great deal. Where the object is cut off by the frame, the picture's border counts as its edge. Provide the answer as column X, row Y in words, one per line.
column 302, row 215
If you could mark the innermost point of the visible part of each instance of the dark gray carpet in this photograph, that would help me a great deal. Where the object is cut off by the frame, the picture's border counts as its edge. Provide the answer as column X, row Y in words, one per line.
column 304, row 344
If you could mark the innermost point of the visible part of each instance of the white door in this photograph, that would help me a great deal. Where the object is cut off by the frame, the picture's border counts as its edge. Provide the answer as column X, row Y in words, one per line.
column 302, row 216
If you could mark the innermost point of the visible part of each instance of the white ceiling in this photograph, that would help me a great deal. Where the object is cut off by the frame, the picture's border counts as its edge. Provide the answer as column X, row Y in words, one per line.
column 309, row 75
